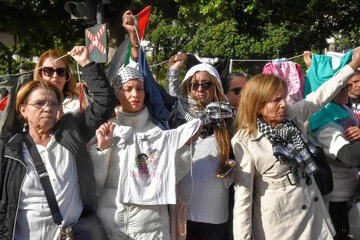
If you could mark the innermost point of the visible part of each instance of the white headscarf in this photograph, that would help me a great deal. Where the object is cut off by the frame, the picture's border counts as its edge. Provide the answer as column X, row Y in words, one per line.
column 203, row 67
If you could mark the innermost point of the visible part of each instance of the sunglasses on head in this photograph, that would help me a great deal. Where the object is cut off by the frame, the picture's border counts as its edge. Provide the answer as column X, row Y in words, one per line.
column 205, row 85
column 236, row 90
column 49, row 71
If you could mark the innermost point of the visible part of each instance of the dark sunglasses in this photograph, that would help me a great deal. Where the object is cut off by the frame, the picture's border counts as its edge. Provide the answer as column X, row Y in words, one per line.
column 205, row 85
column 236, row 90
column 49, row 71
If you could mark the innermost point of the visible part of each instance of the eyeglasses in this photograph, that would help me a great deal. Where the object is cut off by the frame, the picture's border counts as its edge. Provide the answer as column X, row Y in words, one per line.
column 205, row 85
column 236, row 90
column 49, row 71
column 42, row 104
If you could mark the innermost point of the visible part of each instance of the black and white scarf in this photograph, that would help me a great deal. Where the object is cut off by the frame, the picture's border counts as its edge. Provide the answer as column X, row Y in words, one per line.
column 212, row 115
column 289, row 144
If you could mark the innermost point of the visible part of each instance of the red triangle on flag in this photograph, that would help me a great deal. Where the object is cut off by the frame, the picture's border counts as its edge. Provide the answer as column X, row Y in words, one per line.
column 3, row 103
column 143, row 20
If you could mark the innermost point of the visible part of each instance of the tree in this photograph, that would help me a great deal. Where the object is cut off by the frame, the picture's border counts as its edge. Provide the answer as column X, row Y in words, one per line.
column 257, row 29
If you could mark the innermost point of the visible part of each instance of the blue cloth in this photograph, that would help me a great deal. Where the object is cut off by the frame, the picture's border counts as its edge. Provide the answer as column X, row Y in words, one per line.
column 319, row 72
column 158, row 113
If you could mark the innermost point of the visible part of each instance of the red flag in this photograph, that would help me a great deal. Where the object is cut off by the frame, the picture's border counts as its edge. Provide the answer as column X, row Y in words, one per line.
column 3, row 103
column 143, row 18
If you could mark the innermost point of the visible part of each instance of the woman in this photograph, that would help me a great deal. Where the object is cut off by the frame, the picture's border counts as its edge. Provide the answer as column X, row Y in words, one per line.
column 201, row 96
column 276, row 196
column 206, row 194
column 343, row 156
column 24, row 209
column 135, row 167
column 59, row 74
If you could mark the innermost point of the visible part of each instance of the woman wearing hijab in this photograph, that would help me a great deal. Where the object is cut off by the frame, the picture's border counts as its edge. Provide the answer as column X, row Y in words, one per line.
column 135, row 165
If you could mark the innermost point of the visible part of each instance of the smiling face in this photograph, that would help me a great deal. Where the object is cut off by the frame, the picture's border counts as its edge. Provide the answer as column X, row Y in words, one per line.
column 131, row 96
column 40, row 109
column 273, row 111
column 54, row 78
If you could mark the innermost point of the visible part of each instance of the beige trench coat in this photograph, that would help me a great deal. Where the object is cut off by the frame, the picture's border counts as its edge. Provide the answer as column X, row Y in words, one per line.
column 267, row 206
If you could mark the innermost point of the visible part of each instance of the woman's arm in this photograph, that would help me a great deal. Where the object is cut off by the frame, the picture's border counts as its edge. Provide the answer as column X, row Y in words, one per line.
column 173, row 77
column 244, row 182
column 104, row 100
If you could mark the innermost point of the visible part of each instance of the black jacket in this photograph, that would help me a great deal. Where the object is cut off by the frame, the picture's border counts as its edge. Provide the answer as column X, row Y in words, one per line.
column 72, row 132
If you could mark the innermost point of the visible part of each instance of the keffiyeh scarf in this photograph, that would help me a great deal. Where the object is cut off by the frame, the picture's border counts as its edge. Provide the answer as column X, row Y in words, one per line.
column 213, row 113
column 288, row 145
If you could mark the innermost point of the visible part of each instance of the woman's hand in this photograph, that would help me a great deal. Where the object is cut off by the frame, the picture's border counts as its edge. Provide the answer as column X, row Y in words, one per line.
column 104, row 135
column 307, row 58
column 229, row 169
column 355, row 62
column 177, row 61
column 80, row 55
column 129, row 22
column 352, row 133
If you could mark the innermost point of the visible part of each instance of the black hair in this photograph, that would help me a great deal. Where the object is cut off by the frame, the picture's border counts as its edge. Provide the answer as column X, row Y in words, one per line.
column 226, row 82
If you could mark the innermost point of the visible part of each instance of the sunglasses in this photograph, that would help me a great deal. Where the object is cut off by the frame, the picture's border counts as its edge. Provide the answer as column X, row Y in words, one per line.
column 205, row 85
column 49, row 71
column 236, row 90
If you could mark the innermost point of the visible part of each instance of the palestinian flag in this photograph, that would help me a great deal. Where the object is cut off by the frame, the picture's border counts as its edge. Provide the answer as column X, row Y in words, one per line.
column 122, row 54
column 3, row 103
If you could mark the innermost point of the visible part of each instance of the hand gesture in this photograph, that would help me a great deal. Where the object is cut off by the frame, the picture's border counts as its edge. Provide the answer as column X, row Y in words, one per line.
column 352, row 133
column 307, row 58
column 80, row 55
column 129, row 22
column 104, row 135
column 177, row 61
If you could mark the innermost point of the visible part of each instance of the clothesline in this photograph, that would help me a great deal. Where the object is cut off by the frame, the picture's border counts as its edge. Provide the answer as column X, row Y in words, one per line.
column 238, row 60
column 31, row 71
column 163, row 62
column 263, row 60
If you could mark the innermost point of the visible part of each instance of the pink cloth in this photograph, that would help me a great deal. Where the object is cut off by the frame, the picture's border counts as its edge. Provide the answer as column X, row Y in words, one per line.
column 291, row 73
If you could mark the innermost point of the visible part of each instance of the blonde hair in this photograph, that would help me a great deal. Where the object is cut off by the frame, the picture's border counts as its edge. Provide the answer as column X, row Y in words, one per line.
column 70, row 88
column 221, row 133
column 256, row 93
column 28, row 88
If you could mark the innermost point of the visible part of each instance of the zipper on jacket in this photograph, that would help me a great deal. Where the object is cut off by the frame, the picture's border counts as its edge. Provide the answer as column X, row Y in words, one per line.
column 22, row 182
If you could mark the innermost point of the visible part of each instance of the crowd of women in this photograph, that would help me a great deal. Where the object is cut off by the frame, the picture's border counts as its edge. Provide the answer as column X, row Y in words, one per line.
column 111, row 159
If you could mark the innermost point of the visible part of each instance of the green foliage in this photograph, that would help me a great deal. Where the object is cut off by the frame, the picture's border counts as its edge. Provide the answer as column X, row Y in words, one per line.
column 252, row 29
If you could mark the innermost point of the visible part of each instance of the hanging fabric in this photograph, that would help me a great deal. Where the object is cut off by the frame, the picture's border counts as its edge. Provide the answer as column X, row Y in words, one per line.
column 321, row 70
column 291, row 73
